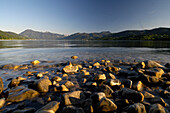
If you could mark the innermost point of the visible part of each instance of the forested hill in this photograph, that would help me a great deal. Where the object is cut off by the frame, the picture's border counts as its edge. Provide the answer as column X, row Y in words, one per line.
column 11, row 36
column 41, row 35
column 153, row 34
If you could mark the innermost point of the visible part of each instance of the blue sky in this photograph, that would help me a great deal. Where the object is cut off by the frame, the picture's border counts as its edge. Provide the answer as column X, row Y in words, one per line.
column 71, row 16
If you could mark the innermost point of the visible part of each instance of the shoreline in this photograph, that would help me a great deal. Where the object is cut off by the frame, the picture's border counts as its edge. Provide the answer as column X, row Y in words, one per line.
column 85, row 86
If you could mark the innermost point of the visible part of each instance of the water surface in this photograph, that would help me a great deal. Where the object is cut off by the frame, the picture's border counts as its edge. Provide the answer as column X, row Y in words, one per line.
column 24, row 51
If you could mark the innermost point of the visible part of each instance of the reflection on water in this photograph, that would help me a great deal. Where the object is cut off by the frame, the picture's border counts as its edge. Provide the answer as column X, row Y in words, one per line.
column 78, row 43
column 19, row 52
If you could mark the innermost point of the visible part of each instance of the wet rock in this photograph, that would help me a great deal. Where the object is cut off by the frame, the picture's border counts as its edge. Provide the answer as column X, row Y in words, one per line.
column 14, row 83
column 159, row 100
column 7, row 66
column 97, row 96
column 100, row 77
column 130, row 94
column 149, row 80
column 30, row 73
column 74, row 57
column 57, row 79
column 136, row 108
column 107, row 90
column 70, row 69
column 52, row 106
column 157, row 108
column 73, row 98
column 21, row 78
column 152, row 64
column 106, row 105
column 43, row 85
column 157, row 72
column 69, row 84
column 2, row 102
column 96, row 64
column 148, row 95
column 21, row 93
column 1, row 85
column 114, row 82
column 72, row 109
column 25, row 110
column 35, row 62
column 138, row 86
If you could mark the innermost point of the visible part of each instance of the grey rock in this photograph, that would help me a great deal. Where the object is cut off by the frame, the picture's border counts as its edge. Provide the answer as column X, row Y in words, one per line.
column 72, row 109
column 25, row 110
column 97, row 96
column 130, row 94
column 136, row 108
column 157, row 108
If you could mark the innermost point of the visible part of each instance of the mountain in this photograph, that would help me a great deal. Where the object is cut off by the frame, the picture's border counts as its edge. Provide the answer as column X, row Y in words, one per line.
column 87, row 36
column 153, row 34
column 40, row 35
column 11, row 36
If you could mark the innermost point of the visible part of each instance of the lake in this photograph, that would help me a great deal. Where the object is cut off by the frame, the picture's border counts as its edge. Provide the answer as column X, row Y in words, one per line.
column 24, row 51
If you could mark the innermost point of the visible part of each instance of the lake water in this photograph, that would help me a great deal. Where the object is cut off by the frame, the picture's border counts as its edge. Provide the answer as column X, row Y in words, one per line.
column 19, row 52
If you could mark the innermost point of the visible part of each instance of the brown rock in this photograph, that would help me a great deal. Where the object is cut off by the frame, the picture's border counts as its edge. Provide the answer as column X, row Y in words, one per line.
column 73, row 98
column 106, row 105
column 74, row 57
column 70, row 68
column 157, row 108
column 21, row 93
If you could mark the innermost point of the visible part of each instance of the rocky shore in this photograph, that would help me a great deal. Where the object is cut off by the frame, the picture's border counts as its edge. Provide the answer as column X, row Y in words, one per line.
column 86, row 87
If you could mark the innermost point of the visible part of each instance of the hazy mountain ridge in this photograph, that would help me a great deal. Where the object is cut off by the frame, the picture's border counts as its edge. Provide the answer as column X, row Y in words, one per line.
column 40, row 35
column 153, row 34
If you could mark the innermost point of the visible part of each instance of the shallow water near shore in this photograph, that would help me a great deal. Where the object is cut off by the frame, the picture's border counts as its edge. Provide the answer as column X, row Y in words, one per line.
column 24, row 51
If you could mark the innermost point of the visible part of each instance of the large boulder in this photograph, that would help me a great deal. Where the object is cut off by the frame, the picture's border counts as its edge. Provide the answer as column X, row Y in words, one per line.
column 70, row 68
column 136, row 108
column 157, row 72
column 106, row 105
column 53, row 106
column 43, row 85
column 21, row 93
column 73, row 98
column 151, row 64
column 130, row 94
